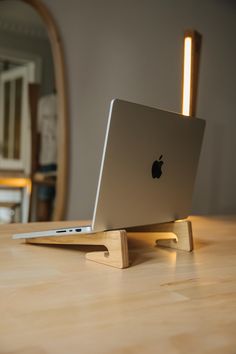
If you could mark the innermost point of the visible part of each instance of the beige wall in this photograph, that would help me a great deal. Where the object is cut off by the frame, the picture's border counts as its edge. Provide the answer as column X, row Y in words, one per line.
column 132, row 49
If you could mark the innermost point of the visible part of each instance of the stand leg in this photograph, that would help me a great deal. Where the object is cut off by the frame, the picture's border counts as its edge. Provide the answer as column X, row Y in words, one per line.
column 115, row 242
column 177, row 234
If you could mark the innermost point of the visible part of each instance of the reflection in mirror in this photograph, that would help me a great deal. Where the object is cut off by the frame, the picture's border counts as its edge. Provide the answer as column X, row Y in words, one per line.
column 29, row 123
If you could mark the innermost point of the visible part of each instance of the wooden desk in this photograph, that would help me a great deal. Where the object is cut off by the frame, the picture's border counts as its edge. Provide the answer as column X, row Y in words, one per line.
column 54, row 301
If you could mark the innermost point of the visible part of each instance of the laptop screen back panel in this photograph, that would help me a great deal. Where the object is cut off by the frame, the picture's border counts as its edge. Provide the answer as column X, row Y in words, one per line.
column 136, row 137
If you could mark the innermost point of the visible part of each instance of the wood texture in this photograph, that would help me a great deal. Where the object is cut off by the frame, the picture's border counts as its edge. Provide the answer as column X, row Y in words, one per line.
column 177, row 235
column 63, row 121
column 195, row 65
column 53, row 301
column 115, row 241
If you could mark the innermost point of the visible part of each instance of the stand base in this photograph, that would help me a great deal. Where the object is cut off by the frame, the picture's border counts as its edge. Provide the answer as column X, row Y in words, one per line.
column 177, row 235
column 115, row 242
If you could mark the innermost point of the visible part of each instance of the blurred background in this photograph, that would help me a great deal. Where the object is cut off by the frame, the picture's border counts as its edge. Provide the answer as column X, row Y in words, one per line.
column 130, row 49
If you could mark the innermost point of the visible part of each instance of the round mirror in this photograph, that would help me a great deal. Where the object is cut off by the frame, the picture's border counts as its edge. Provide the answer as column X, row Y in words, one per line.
column 33, row 114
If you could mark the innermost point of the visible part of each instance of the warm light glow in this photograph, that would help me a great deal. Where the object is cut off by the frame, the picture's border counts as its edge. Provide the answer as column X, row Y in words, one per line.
column 15, row 182
column 187, row 76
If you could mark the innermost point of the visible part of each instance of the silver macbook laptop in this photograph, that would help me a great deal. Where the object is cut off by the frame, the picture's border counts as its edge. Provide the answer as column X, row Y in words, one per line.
column 147, row 172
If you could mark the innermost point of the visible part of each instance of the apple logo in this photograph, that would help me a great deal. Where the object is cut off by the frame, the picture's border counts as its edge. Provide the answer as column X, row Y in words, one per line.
column 156, row 168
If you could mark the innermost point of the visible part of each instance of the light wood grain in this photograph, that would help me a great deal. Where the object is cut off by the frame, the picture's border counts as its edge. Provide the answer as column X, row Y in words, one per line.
column 63, row 121
column 115, row 241
column 195, row 65
column 169, row 301
column 177, row 235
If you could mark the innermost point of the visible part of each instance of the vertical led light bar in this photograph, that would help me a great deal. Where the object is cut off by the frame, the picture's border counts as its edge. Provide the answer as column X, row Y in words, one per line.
column 192, row 46
column 187, row 76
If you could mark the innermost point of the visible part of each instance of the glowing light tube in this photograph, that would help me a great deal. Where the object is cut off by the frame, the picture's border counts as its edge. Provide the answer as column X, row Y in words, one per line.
column 187, row 76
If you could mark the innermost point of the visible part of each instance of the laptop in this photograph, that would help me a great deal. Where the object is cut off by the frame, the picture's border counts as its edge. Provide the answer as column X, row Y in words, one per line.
column 147, row 172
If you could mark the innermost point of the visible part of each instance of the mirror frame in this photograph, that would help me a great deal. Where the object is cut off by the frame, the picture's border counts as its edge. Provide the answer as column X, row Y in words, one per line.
column 59, row 73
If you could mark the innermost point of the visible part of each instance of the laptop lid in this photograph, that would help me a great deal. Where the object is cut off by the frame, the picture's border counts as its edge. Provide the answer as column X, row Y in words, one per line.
column 148, row 167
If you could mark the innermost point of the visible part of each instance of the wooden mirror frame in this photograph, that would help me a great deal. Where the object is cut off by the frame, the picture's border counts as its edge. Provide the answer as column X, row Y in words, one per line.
column 59, row 73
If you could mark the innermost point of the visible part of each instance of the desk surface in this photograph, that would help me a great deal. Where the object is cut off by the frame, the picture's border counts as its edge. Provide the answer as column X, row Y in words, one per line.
column 52, row 300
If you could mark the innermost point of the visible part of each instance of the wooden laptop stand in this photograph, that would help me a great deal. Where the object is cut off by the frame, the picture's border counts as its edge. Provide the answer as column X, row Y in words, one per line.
column 177, row 235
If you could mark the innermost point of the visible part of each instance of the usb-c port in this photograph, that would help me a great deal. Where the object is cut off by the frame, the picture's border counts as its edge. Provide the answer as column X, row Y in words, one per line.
column 78, row 230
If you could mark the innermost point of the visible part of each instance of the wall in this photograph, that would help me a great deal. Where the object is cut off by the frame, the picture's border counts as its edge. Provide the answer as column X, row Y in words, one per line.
column 132, row 49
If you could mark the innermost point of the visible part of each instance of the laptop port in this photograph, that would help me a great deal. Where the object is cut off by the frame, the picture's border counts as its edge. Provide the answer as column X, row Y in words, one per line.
column 78, row 230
